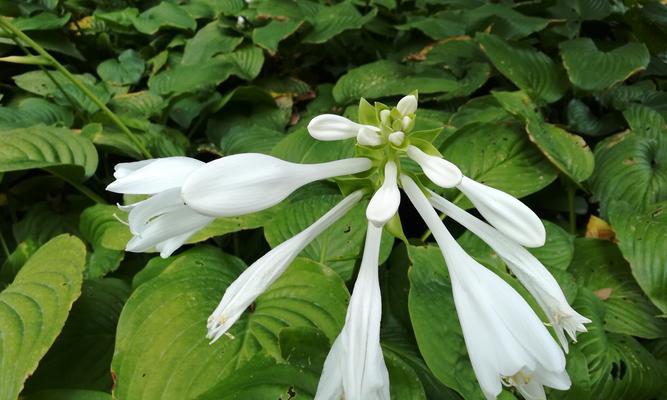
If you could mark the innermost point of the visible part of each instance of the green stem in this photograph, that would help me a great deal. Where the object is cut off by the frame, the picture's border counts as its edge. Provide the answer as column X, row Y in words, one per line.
column 5, row 249
column 81, row 188
column 572, row 217
column 9, row 27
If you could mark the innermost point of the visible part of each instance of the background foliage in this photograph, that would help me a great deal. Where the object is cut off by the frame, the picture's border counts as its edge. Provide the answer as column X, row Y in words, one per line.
column 561, row 102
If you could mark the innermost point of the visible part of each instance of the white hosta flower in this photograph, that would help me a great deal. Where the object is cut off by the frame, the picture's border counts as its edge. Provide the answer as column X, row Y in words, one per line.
column 250, row 182
column 527, row 268
column 262, row 273
column 506, row 213
column 407, row 105
column 369, row 137
column 162, row 221
column 384, row 203
column 335, row 127
column 440, row 171
column 355, row 368
column 507, row 343
column 396, row 138
column 384, row 116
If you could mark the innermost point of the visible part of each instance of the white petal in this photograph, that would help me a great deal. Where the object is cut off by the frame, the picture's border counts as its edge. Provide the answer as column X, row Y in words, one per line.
column 500, row 329
column 369, row 137
column 169, row 246
column 141, row 213
column 167, row 226
column 407, row 105
column 384, row 116
column 122, row 170
column 505, row 213
column 397, row 138
column 154, row 176
column 365, row 374
column 334, row 127
column 384, row 203
column 330, row 386
column 250, row 182
column 263, row 272
column 528, row 269
column 405, row 122
column 438, row 170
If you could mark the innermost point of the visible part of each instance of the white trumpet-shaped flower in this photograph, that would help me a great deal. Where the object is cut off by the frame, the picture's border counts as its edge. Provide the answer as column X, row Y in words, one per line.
column 505, row 213
column 355, row 368
column 250, row 182
column 407, row 105
column 369, row 137
column 527, row 268
column 440, row 171
column 163, row 221
column 506, row 341
column 262, row 273
column 386, row 199
column 335, row 127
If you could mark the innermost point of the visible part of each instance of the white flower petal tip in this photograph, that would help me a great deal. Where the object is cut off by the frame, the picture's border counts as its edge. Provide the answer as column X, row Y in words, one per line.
column 334, row 127
column 527, row 268
column 384, row 116
column 397, row 138
column 407, row 105
column 505, row 213
column 152, row 176
column 506, row 341
column 437, row 169
column 384, row 203
column 369, row 137
column 355, row 367
column 245, row 183
column 262, row 273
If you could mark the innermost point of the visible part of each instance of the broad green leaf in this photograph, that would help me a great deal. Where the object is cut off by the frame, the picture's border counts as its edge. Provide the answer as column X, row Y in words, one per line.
column 43, row 21
column 271, row 34
column 142, row 103
column 68, row 394
column 209, row 41
column 247, row 61
column 529, row 69
column 250, row 139
column 340, row 246
column 163, row 15
column 45, row 220
column 641, row 237
column 332, row 20
column 189, row 78
column 125, row 70
column 499, row 156
column 81, row 355
column 630, row 166
column 566, row 151
column 43, row 146
column 161, row 349
column 53, row 84
column 558, row 250
column 34, row 111
column 592, row 69
column 619, row 367
column 100, row 226
column 33, row 309
column 388, row 78
column 262, row 377
column 503, row 20
column 600, row 267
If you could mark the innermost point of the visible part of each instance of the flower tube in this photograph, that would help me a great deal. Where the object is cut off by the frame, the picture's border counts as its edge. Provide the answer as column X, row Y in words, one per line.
column 262, row 273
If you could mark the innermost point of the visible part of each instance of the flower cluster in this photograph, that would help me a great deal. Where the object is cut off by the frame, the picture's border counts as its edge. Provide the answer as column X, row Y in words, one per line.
column 506, row 341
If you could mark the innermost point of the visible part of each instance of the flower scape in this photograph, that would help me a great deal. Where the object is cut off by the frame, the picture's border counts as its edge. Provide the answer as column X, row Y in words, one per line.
column 506, row 341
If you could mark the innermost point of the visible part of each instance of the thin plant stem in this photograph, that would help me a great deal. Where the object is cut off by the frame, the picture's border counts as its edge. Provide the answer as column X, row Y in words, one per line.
column 5, row 249
column 81, row 188
column 9, row 27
